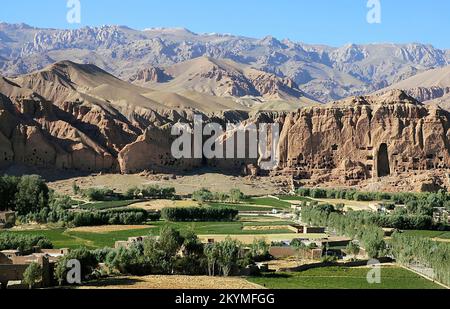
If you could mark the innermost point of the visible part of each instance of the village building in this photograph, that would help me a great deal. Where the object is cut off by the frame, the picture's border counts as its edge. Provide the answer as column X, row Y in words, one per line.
column 7, row 219
column 13, row 265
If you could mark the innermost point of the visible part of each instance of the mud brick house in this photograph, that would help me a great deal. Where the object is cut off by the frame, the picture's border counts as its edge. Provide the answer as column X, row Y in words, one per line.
column 7, row 219
column 13, row 265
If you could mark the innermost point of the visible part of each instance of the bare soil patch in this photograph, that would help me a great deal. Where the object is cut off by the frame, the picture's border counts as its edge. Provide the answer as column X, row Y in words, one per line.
column 160, row 204
column 184, row 184
column 172, row 283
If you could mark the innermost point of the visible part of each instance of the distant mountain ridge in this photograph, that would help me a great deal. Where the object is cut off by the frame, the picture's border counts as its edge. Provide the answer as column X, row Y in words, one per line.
column 431, row 87
column 222, row 78
column 322, row 72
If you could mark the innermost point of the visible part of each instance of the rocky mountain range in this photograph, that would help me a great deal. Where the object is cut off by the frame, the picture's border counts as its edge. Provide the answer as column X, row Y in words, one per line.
column 316, row 72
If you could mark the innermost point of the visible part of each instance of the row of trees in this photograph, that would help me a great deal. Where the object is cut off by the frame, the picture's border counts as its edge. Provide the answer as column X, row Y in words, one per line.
column 205, row 195
column 439, row 199
column 145, row 192
column 370, row 235
column 417, row 215
column 59, row 210
column 203, row 214
column 172, row 253
column 409, row 250
column 397, row 220
column 151, row 192
column 112, row 217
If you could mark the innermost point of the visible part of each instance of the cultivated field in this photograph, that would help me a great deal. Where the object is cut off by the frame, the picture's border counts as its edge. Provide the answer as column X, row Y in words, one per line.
column 106, row 236
column 441, row 236
column 172, row 283
column 107, row 228
column 345, row 278
column 160, row 204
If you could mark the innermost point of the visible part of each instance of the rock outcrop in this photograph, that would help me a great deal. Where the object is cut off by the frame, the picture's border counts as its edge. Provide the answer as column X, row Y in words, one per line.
column 365, row 137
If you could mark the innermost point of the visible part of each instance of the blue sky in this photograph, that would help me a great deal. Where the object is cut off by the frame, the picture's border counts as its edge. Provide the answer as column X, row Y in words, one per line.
column 332, row 22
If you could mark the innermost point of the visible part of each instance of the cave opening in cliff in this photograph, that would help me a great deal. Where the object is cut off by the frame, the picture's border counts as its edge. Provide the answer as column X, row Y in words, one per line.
column 383, row 168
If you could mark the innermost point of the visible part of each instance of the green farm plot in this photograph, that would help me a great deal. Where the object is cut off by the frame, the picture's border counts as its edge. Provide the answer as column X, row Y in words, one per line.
column 62, row 238
column 101, row 240
column 242, row 207
column 263, row 204
column 57, row 236
column 108, row 205
column 294, row 198
column 269, row 201
column 216, row 228
column 276, row 223
column 344, row 278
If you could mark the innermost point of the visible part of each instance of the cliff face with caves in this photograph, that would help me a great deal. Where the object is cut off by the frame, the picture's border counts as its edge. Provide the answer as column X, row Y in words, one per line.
column 366, row 137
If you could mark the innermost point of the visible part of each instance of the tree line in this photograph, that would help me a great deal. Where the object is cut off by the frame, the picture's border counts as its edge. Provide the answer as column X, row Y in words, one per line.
column 417, row 213
column 360, row 226
column 431, row 200
column 408, row 250
column 133, row 193
column 204, row 195
column 26, row 194
column 370, row 235
column 33, row 201
column 202, row 214
column 59, row 210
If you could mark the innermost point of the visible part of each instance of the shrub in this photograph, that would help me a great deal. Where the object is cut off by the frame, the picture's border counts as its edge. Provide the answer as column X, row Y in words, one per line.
column 99, row 194
column 318, row 193
column 329, row 259
column 303, row 192
column 203, row 195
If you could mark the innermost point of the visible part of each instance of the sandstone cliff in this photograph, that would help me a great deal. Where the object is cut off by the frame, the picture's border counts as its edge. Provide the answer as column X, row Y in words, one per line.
column 366, row 137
